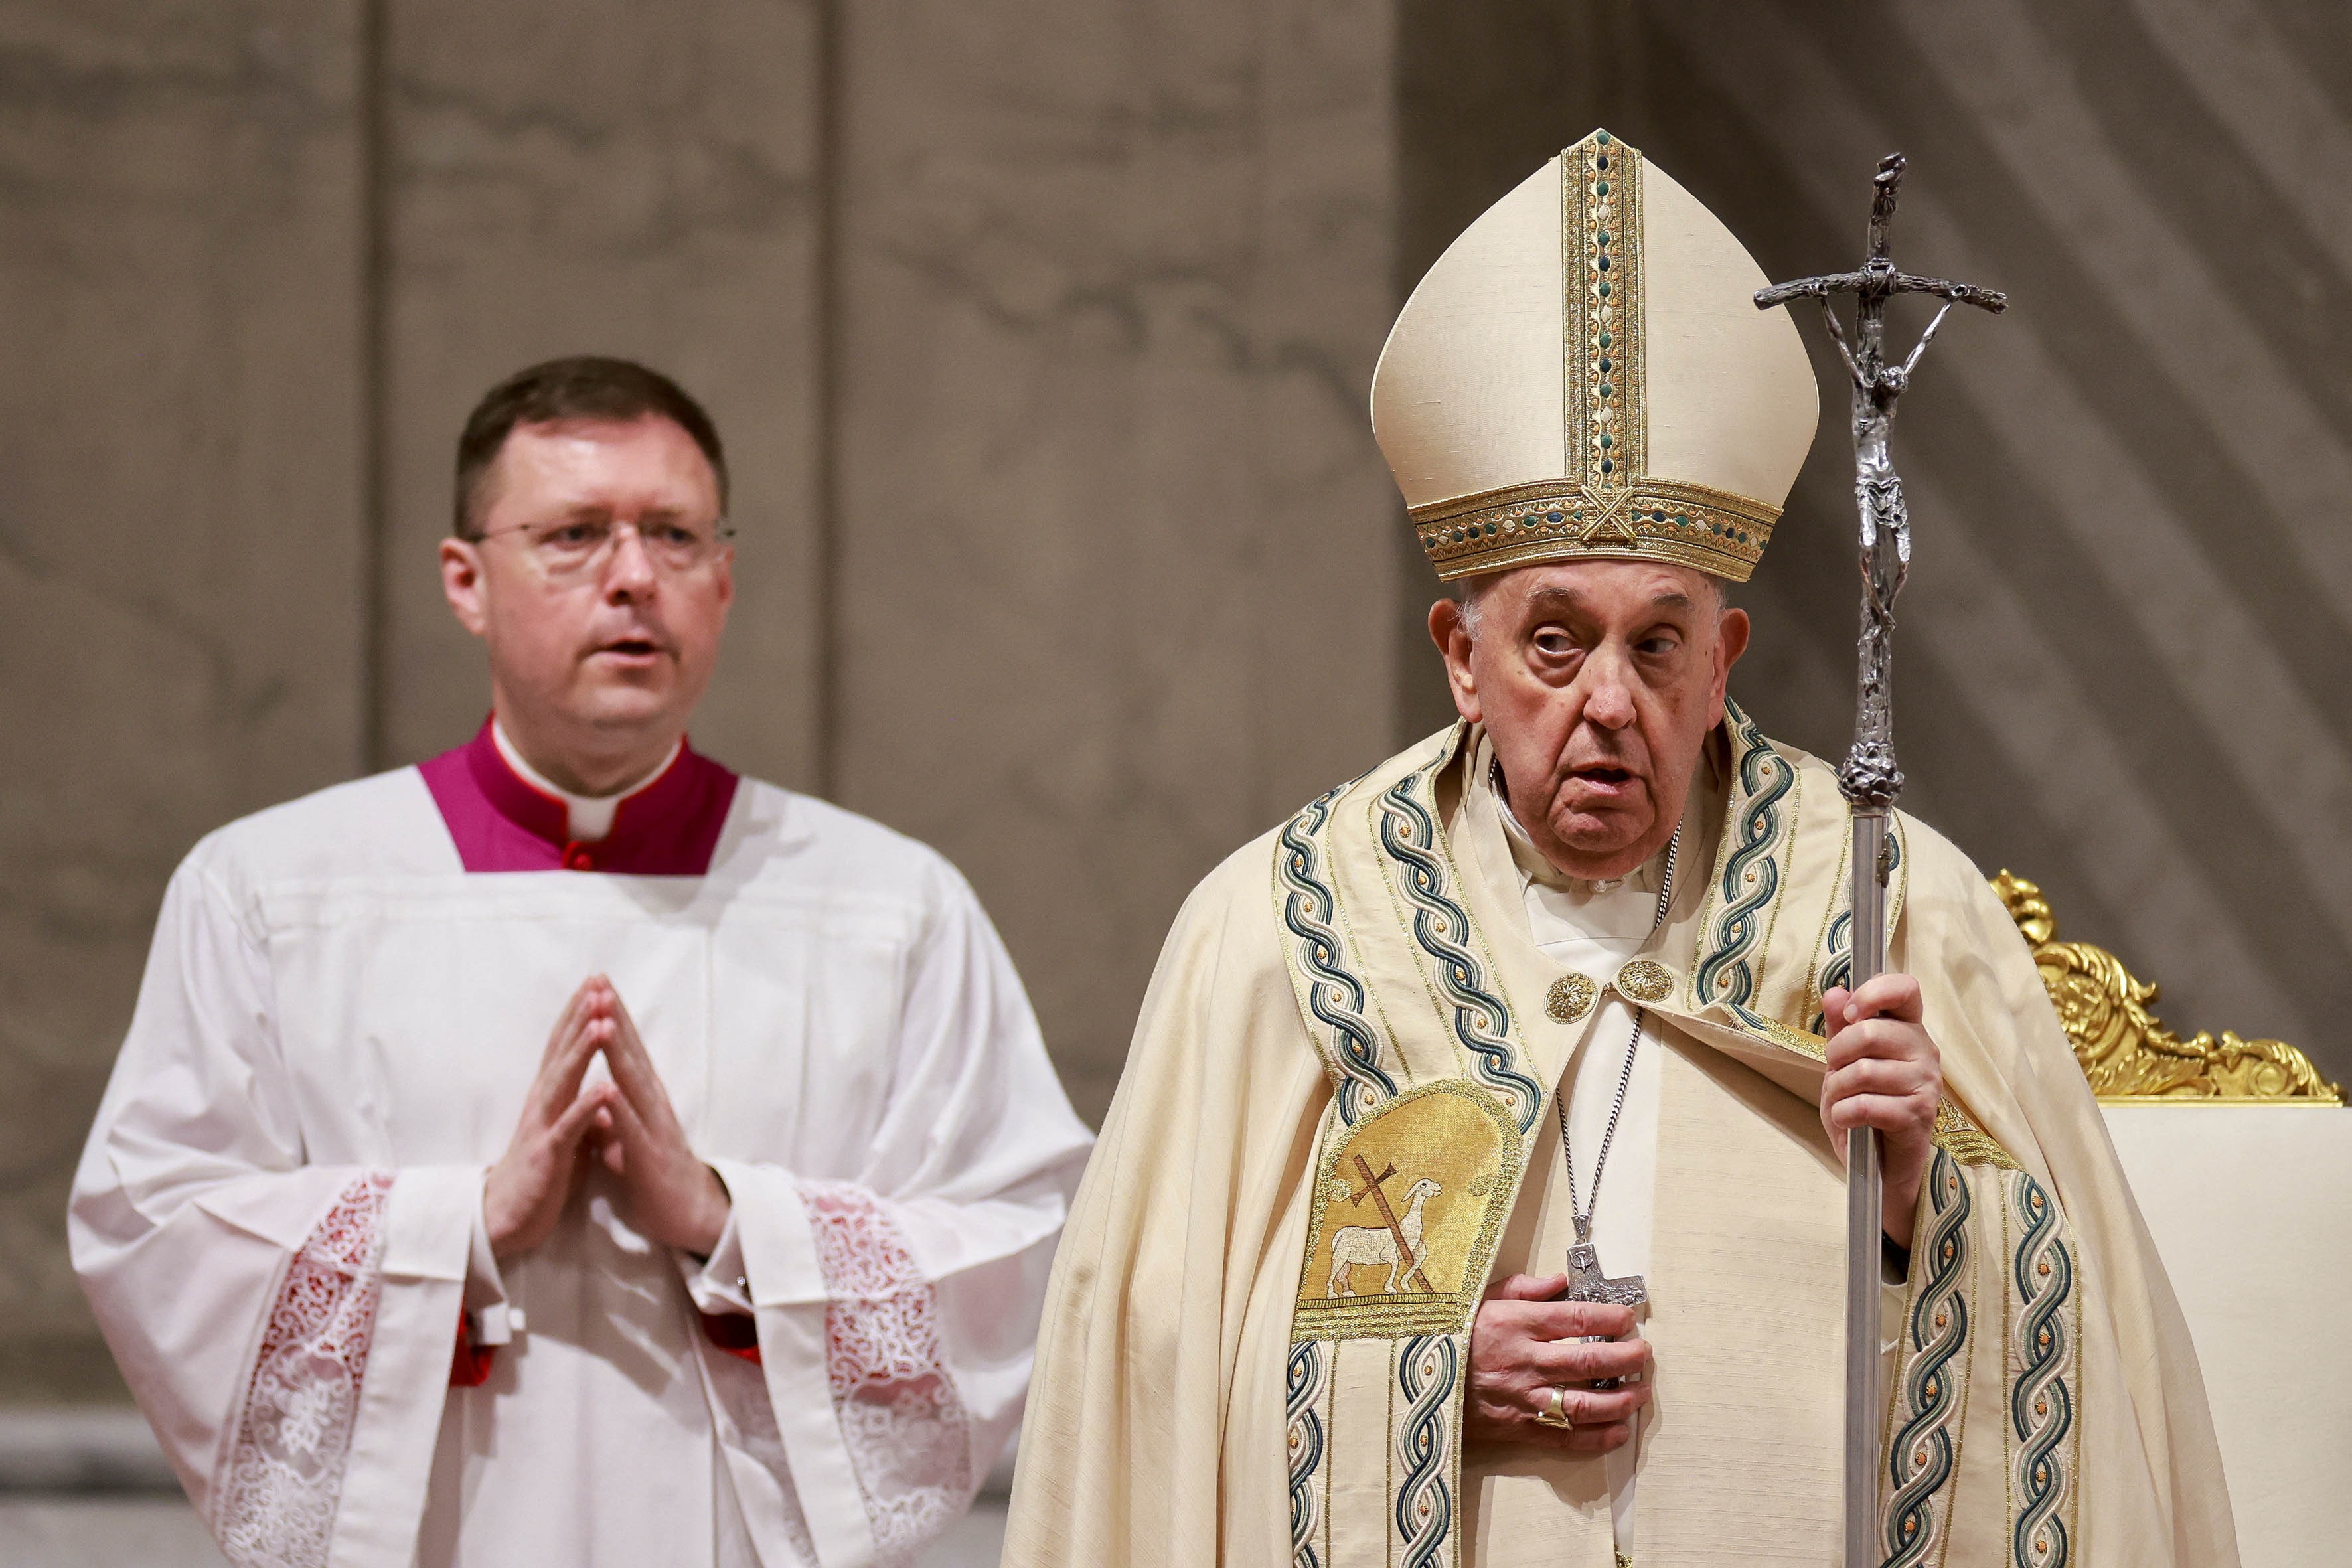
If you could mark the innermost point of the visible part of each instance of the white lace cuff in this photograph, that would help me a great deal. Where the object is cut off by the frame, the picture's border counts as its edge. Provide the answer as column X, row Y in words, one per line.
column 909, row 1437
column 284, row 1479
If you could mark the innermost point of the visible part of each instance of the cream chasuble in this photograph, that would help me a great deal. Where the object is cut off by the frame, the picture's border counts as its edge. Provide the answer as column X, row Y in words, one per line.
column 1228, row 1375
column 1336, row 1124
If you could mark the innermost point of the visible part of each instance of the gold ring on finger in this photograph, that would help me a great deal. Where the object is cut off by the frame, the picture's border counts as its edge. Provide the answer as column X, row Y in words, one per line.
column 1556, row 1413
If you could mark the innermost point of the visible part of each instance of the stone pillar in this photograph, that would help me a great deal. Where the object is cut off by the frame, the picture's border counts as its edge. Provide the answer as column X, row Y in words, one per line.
column 180, row 430
column 1115, row 543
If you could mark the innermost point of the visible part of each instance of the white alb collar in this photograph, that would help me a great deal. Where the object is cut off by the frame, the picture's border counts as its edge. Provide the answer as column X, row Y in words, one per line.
column 591, row 815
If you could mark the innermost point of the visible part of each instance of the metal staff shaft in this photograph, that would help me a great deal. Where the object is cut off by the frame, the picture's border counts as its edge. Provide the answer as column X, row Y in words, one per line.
column 1864, row 1218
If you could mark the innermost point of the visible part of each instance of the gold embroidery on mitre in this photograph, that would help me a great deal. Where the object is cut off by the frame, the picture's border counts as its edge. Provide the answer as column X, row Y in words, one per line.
column 1570, row 999
column 1645, row 980
column 1607, row 437
column 1607, row 504
column 1406, row 1210
column 1659, row 520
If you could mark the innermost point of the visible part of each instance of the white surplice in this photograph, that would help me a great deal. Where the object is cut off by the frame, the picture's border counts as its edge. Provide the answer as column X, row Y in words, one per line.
column 278, row 1214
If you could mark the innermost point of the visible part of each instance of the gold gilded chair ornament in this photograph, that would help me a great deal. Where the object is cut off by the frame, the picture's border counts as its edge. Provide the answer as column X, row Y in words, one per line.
column 2125, row 1051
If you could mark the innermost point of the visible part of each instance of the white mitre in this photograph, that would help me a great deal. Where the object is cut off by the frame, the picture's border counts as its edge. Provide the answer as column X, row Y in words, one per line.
column 1584, row 373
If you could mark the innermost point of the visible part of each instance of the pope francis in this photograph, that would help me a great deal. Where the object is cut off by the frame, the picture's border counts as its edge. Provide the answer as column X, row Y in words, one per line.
column 1472, row 1195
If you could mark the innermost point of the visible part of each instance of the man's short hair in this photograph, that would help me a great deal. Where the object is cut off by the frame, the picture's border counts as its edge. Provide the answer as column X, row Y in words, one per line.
column 584, row 387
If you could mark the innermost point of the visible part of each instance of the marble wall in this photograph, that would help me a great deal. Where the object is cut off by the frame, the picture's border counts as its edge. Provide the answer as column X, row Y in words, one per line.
column 180, row 528
column 1113, row 279
column 569, row 176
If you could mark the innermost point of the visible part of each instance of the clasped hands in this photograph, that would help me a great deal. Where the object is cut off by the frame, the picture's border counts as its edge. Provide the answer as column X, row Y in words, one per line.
column 667, row 1194
column 1885, row 1072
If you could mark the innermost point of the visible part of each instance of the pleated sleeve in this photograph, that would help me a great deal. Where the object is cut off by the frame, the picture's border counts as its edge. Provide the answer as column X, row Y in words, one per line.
column 895, row 1304
column 286, row 1327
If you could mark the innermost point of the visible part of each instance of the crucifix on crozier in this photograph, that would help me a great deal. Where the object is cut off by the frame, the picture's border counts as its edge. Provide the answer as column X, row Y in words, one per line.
column 1869, row 776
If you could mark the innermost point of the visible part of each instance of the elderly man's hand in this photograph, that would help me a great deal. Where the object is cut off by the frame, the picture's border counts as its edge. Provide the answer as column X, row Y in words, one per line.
column 1885, row 1072
column 668, row 1194
column 1517, row 1357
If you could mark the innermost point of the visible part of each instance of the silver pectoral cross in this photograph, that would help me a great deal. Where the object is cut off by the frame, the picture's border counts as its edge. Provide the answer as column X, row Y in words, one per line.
column 1587, row 1283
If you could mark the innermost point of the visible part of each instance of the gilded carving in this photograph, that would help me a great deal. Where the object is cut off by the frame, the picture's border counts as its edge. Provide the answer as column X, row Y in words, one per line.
column 2125, row 1051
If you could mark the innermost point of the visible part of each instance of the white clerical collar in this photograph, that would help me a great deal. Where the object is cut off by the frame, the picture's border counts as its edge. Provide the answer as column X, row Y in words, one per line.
column 591, row 815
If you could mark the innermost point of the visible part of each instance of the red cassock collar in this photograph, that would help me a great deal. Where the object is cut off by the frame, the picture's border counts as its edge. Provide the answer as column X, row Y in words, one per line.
column 500, row 823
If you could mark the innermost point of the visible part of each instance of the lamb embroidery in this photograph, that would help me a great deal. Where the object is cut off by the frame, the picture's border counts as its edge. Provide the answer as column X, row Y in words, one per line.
column 1396, row 1242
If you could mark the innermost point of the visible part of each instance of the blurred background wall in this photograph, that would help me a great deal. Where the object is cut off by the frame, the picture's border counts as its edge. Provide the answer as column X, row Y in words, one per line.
column 1039, row 332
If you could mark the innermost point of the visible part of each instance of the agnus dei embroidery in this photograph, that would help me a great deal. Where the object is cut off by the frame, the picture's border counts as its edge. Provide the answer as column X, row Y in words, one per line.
column 1406, row 1208
column 1416, row 1166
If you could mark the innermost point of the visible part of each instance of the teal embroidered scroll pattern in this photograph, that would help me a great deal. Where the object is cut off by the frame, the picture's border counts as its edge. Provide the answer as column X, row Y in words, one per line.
column 1427, row 1370
column 1332, row 996
column 1931, row 1394
column 1750, row 877
column 1834, row 966
column 1481, row 1022
column 2044, row 1317
column 1838, row 969
column 1307, row 1377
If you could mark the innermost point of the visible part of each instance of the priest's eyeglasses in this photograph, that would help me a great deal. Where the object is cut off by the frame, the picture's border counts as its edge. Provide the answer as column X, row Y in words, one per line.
column 577, row 548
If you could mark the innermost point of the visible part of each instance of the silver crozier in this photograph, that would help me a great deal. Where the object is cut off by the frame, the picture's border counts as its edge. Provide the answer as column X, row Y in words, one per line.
column 1869, row 778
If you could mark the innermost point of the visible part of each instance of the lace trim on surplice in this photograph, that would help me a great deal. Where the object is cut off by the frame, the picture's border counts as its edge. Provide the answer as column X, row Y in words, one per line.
column 910, row 1439
column 285, row 1472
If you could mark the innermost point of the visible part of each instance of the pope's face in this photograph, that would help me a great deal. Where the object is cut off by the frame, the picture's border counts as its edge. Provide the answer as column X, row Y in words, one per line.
column 597, row 655
column 1598, row 682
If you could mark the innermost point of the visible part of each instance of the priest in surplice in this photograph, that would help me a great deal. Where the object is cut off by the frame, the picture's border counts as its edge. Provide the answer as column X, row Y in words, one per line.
column 1473, row 1193
column 567, row 1151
